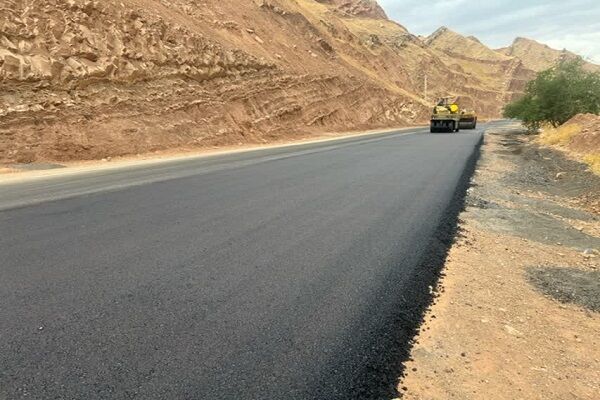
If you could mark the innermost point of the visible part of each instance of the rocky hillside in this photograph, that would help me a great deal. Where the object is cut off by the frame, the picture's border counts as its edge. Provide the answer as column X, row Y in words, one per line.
column 83, row 79
column 359, row 8
column 491, row 78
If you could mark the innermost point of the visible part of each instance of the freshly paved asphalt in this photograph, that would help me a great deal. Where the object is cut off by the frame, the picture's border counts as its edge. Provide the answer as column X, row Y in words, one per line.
column 258, row 275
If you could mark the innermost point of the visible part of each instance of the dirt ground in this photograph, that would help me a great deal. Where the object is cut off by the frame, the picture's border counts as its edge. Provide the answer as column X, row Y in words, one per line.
column 517, row 312
column 578, row 138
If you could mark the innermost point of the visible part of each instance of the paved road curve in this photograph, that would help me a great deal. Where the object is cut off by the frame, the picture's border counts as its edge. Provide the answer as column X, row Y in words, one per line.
column 259, row 275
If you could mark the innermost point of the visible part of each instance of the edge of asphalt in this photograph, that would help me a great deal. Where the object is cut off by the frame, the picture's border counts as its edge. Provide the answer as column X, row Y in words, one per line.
column 382, row 374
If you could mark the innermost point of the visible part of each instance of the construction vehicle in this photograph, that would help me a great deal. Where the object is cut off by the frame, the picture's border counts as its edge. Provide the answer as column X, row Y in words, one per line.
column 468, row 119
column 446, row 116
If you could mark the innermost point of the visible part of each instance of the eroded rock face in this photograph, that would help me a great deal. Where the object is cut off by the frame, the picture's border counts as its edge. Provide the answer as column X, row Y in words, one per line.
column 69, row 40
column 84, row 79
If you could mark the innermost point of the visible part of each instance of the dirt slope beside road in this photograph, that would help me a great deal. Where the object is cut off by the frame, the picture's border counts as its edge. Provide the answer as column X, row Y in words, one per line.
column 517, row 316
column 579, row 138
column 85, row 80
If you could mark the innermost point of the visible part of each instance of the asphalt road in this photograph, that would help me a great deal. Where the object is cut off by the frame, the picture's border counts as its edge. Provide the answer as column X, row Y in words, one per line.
column 271, row 274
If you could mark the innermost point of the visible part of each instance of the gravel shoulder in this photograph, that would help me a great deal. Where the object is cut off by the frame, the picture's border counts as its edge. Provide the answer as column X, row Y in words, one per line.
column 24, row 171
column 516, row 314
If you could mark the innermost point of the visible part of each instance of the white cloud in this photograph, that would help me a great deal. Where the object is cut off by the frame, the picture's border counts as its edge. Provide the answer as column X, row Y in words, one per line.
column 573, row 24
column 584, row 44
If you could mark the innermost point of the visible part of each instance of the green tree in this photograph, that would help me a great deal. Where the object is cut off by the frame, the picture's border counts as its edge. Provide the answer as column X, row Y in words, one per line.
column 556, row 95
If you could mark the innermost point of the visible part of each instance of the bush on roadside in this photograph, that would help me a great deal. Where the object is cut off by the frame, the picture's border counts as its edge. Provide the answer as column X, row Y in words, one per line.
column 556, row 95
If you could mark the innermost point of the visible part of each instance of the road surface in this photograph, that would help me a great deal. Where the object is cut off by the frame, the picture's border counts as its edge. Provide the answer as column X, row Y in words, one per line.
column 270, row 274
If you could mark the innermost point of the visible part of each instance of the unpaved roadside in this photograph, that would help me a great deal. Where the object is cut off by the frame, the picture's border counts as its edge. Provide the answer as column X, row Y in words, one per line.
column 17, row 172
column 517, row 314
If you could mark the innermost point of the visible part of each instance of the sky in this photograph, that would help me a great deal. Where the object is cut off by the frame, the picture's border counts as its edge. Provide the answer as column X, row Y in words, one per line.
column 570, row 24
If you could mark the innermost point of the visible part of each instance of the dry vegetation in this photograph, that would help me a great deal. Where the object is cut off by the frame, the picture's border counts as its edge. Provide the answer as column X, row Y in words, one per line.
column 579, row 137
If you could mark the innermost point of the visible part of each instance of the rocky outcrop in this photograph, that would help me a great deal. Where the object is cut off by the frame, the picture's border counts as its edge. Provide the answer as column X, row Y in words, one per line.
column 70, row 41
column 360, row 8
column 460, row 46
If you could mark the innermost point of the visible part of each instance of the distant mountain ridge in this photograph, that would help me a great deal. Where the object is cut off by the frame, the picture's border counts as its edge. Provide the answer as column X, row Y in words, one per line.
column 539, row 56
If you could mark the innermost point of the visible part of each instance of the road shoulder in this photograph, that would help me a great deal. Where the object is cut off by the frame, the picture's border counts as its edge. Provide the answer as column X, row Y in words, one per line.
column 516, row 313
column 13, row 173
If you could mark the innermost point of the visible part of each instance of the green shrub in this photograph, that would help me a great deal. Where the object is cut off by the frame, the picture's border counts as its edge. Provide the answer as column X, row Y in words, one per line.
column 556, row 95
